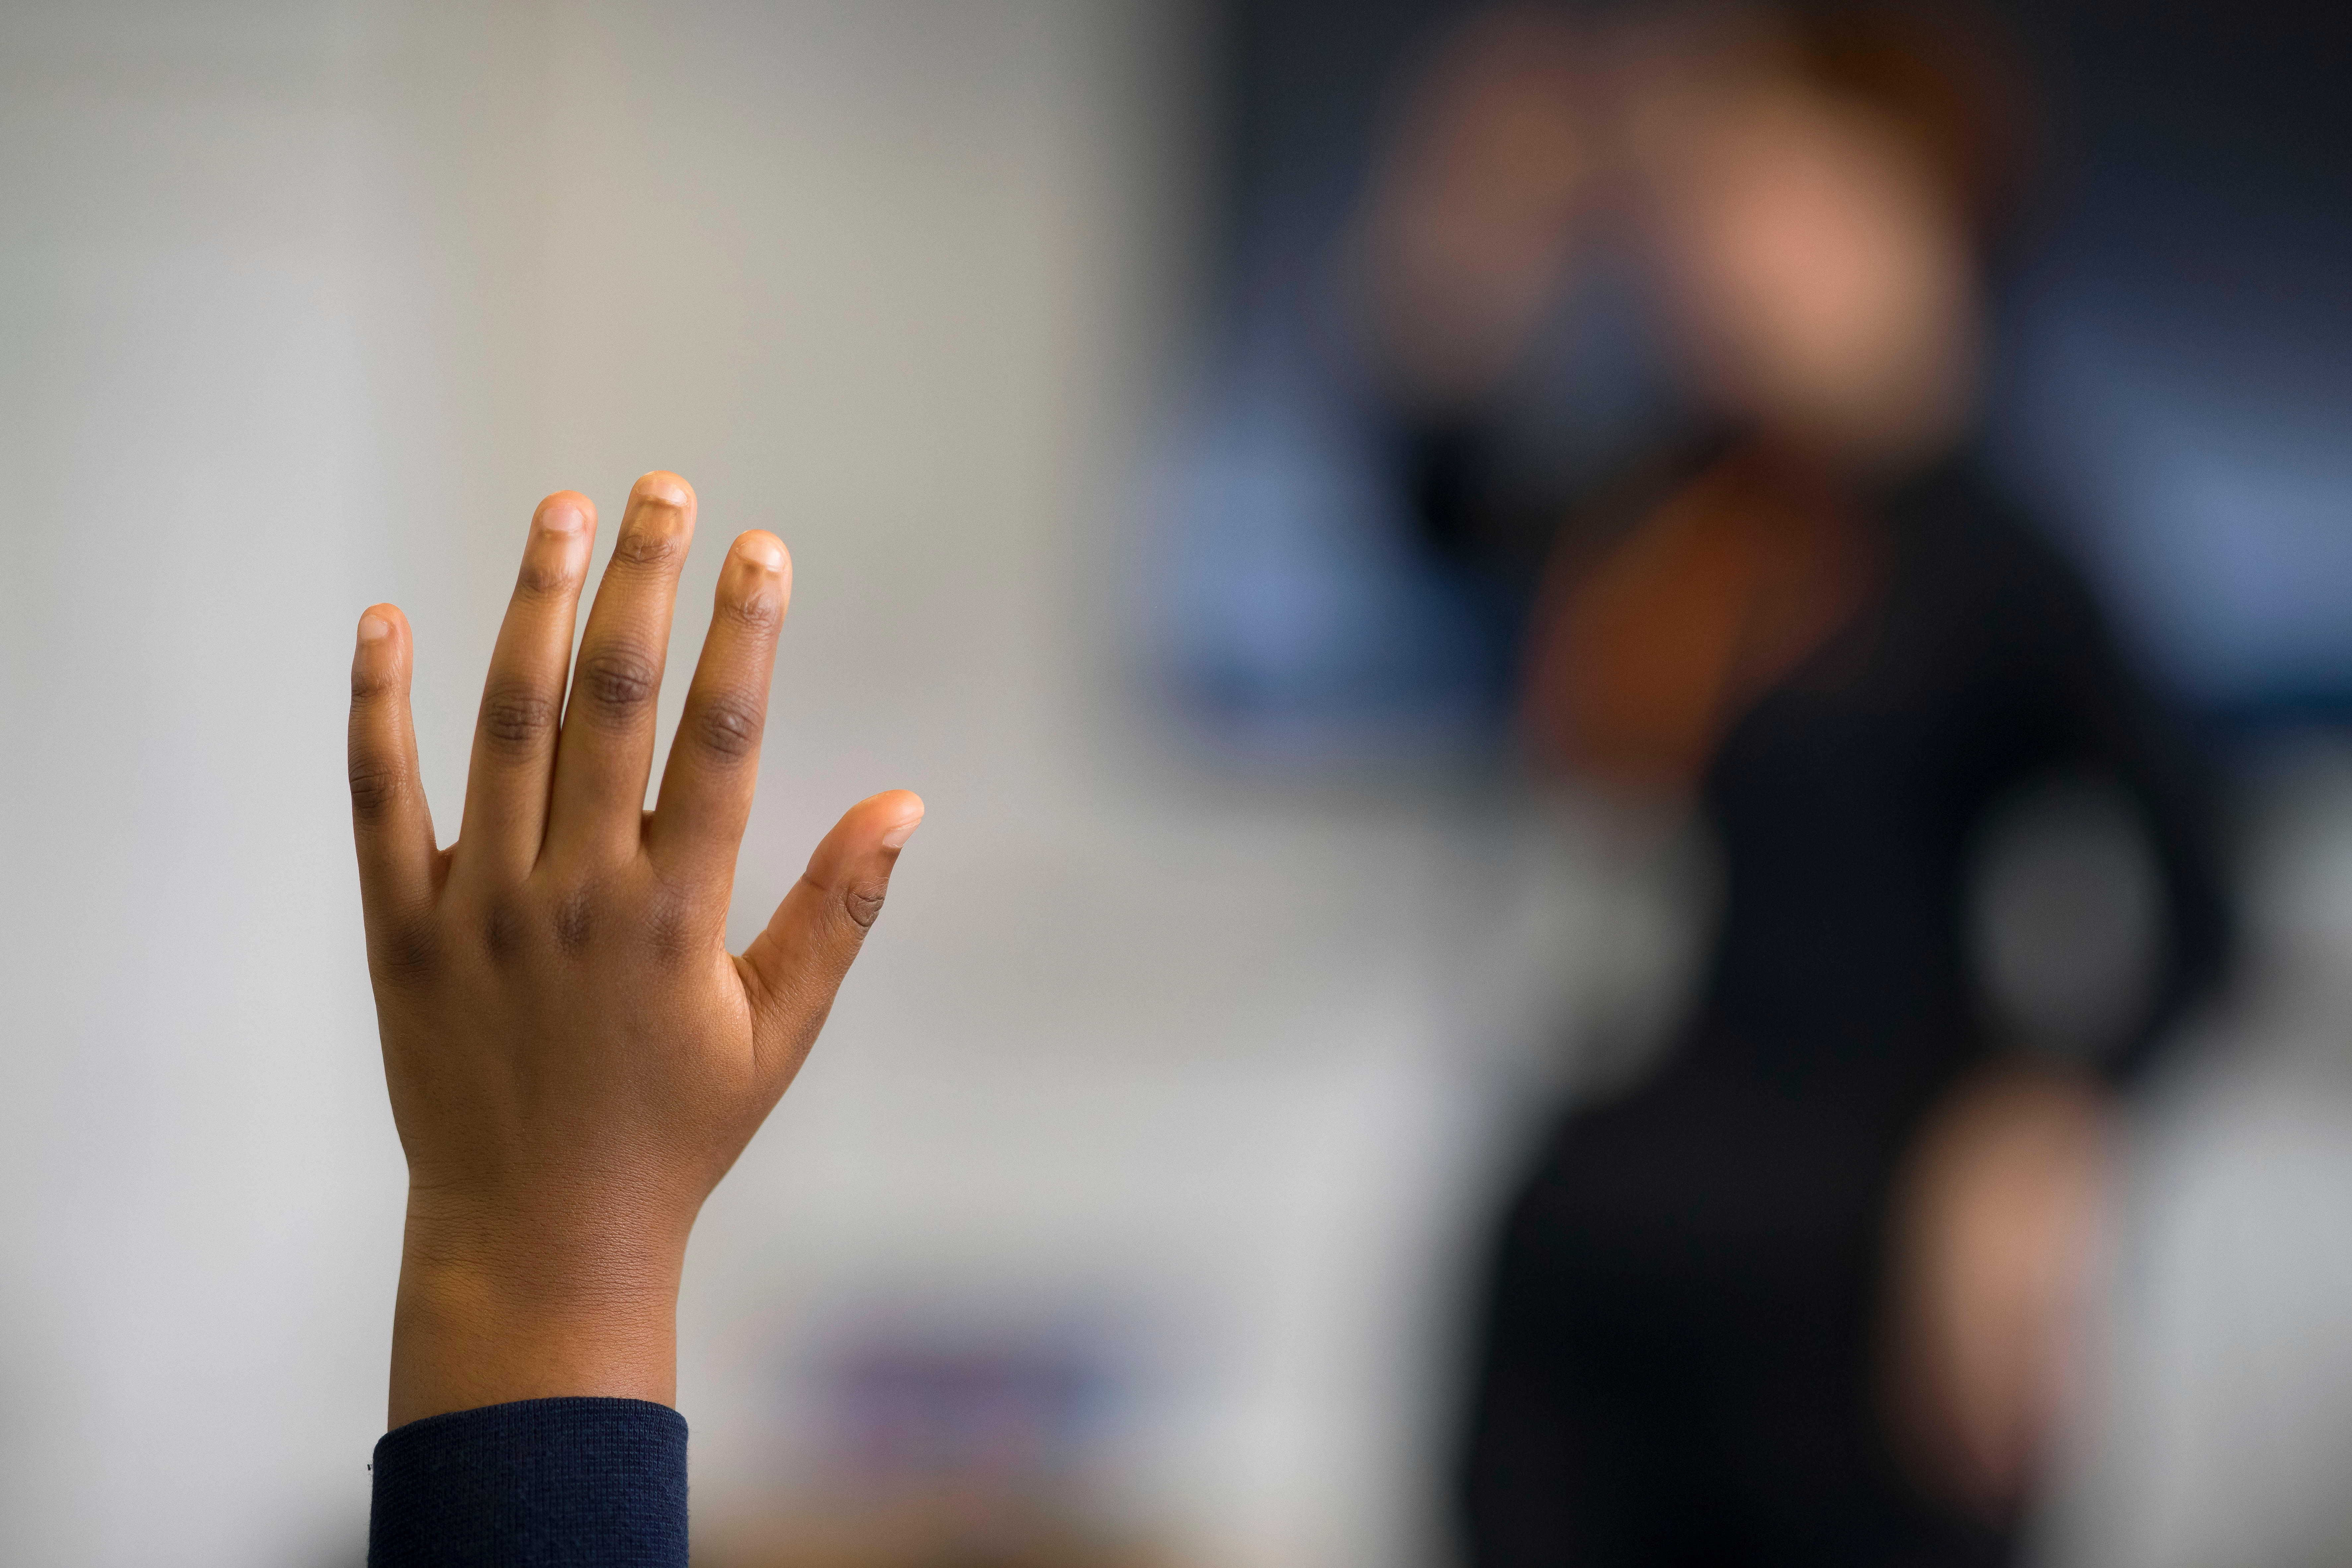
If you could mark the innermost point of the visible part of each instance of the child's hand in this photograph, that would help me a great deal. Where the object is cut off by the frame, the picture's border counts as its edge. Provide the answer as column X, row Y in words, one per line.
column 574, row 1058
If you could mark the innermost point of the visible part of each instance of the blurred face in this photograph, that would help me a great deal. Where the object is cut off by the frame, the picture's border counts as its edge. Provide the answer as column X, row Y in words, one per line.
column 1817, row 275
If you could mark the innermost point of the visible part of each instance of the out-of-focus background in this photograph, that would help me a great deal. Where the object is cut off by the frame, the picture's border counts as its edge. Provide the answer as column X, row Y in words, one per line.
column 1128, row 1212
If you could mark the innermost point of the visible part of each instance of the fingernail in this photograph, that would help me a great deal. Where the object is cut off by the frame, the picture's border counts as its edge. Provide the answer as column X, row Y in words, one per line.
column 897, row 837
column 373, row 628
column 566, row 518
column 766, row 551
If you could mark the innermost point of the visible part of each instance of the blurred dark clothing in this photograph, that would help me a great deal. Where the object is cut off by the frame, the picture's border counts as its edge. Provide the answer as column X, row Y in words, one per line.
column 1675, row 1361
column 590, row 1483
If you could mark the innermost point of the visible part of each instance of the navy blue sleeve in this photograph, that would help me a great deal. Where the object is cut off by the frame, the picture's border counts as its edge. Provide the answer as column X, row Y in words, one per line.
column 586, row 1483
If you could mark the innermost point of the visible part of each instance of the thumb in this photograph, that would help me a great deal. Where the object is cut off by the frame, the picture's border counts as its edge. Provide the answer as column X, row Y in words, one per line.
column 793, row 969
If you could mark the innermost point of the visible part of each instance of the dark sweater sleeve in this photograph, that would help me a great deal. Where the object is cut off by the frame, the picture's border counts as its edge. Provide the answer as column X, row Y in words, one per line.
column 586, row 1483
column 2158, row 755
column 2092, row 703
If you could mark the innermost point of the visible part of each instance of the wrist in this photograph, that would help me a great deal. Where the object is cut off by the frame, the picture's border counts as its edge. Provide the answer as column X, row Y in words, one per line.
column 487, row 1315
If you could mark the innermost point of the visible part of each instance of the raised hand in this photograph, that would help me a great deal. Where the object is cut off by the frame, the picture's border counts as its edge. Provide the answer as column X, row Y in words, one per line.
column 574, row 1058
column 1997, row 1222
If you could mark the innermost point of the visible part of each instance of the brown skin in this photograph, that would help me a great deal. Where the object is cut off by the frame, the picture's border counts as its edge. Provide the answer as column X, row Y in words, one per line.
column 574, row 1058
column 1995, row 1221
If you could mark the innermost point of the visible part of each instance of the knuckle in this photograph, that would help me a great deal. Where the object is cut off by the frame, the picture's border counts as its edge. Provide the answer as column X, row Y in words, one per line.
column 575, row 921
column 377, row 786
column 754, row 609
column 619, row 681
column 546, row 575
column 728, row 727
column 407, row 950
column 655, row 544
column 516, row 719
column 674, row 922
column 502, row 931
column 862, row 902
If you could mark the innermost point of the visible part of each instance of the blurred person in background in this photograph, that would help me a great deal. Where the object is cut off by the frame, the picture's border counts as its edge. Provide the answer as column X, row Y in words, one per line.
column 1801, row 1296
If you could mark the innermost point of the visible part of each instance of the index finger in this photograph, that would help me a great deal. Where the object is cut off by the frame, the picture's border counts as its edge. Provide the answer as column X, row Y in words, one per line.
column 606, row 748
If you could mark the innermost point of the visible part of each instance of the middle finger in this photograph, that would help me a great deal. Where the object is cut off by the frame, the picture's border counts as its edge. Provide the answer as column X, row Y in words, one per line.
column 606, row 750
